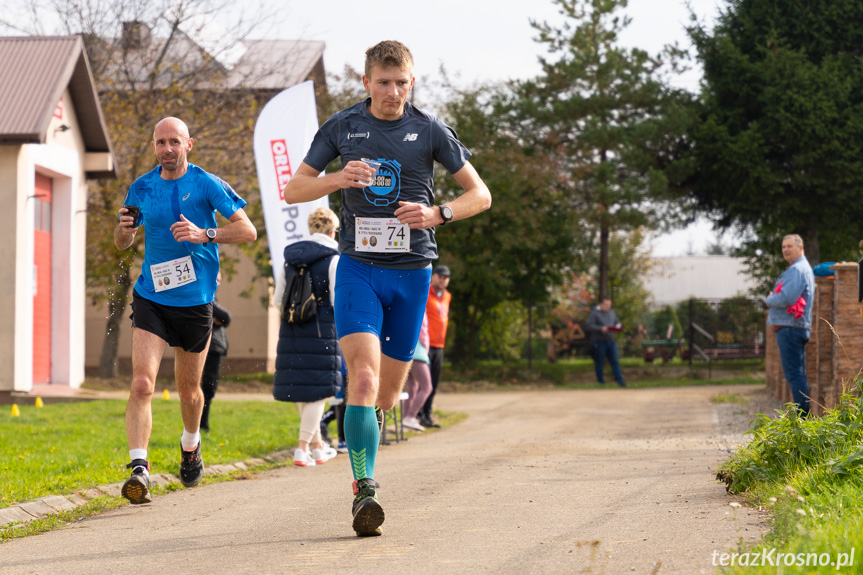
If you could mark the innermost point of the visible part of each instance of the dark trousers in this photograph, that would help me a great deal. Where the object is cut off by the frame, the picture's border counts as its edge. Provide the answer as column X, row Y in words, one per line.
column 336, row 412
column 792, row 352
column 602, row 350
column 436, row 367
column 209, row 384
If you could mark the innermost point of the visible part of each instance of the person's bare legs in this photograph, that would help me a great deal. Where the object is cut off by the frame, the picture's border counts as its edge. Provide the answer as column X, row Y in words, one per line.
column 188, row 367
column 420, row 378
column 374, row 380
column 147, row 350
column 392, row 381
column 362, row 353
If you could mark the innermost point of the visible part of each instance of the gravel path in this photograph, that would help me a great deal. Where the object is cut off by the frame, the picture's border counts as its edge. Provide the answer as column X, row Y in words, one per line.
column 602, row 481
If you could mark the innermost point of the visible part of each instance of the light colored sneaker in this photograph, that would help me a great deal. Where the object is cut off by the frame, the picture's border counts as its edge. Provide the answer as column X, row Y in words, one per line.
column 324, row 454
column 303, row 458
column 342, row 447
column 412, row 423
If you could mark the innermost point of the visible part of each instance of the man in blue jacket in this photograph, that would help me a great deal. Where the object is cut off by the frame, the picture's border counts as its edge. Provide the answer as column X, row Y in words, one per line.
column 790, row 314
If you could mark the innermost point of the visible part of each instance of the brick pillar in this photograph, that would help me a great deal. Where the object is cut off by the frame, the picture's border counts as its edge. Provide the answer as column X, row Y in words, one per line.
column 770, row 358
column 848, row 324
column 821, row 386
column 810, row 359
column 773, row 367
column 785, row 395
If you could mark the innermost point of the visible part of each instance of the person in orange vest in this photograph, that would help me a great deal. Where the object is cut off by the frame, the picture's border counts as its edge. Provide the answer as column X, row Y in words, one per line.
column 437, row 308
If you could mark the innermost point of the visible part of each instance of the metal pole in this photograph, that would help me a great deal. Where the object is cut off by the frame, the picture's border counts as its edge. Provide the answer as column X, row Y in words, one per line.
column 691, row 332
column 530, row 337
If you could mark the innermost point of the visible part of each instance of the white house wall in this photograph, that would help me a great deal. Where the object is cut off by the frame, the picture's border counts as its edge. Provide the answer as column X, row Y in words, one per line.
column 10, row 280
column 60, row 158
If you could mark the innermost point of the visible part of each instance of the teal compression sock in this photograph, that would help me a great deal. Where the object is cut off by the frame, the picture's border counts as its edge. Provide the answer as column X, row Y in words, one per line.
column 362, row 435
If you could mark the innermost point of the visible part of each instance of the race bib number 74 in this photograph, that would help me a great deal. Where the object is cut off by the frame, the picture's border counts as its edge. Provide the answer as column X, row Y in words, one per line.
column 382, row 235
column 173, row 274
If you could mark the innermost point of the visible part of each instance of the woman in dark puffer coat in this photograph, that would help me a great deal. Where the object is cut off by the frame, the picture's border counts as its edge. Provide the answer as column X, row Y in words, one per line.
column 308, row 357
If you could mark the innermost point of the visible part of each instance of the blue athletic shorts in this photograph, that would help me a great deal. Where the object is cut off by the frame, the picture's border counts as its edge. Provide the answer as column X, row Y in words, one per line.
column 388, row 303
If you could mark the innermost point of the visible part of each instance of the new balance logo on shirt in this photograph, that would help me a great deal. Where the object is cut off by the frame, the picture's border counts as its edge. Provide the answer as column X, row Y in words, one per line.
column 410, row 137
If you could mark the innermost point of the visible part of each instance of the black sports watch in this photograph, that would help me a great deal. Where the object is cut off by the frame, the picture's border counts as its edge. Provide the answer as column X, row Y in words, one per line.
column 445, row 213
column 211, row 234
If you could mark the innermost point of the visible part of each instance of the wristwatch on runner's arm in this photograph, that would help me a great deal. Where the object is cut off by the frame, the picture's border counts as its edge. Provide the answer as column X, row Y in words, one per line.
column 445, row 213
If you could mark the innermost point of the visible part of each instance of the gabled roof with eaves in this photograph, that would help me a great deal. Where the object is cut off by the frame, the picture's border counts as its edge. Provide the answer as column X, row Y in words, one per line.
column 34, row 73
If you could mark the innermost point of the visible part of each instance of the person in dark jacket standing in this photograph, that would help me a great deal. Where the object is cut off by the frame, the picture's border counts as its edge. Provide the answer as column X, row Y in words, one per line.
column 213, row 364
column 308, row 356
column 602, row 325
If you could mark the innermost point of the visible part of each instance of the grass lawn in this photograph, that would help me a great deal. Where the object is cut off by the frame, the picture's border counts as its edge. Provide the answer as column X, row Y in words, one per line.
column 578, row 372
column 809, row 474
column 63, row 447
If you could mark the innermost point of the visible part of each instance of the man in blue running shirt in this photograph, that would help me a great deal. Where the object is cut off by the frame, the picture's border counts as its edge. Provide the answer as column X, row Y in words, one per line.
column 388, row 219
column 176, row 202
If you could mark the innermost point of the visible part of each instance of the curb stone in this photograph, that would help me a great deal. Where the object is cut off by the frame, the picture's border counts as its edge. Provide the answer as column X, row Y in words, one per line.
column 54, row 504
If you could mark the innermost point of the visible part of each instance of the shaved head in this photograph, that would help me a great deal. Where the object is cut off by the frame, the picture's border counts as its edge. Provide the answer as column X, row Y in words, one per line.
column 174, row 124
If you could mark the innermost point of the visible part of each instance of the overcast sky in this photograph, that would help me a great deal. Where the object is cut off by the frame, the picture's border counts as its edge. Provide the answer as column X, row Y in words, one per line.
column 480, row 40
column 488, row 40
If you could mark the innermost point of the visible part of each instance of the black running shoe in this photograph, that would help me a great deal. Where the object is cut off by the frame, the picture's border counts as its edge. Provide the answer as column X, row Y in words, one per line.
column 427, row 421
column 368, row 513
column 191, row 466
column 137, row 488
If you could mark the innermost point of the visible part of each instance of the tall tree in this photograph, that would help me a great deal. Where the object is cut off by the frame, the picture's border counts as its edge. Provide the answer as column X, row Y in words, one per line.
column 777, row 143
column 608, row 118
column 525, row 242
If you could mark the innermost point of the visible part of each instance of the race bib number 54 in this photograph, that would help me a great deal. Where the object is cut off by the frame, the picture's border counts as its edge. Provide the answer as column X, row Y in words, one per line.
column 173, row 274
column 382, row 235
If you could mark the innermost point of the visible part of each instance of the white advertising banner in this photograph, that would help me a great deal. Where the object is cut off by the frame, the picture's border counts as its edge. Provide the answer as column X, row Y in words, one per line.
column 283, row 134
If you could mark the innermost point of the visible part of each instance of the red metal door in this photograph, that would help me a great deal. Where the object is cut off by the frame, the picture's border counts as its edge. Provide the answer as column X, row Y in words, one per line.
column 42, row 281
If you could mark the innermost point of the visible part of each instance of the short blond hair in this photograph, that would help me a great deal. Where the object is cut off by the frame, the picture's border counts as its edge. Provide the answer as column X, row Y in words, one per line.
column 389, row 54
column 323, row 221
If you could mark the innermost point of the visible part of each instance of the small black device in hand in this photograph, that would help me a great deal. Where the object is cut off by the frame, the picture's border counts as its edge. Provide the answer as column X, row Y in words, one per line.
column 133, row 211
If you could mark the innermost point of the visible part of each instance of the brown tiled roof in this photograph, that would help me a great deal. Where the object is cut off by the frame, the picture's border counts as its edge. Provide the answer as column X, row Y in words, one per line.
column 34, row 71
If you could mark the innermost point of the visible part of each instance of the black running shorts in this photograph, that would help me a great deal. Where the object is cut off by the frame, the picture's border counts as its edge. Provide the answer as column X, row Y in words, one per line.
column 186, row 327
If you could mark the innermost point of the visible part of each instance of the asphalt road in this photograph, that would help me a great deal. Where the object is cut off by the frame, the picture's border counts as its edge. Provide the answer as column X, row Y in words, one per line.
column 601, row 481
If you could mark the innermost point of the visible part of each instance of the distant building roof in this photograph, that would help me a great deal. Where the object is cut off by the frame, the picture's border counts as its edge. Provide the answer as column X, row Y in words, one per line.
column 268, row 65
column 35, row 72
column 674, row 279
column 277, row 64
